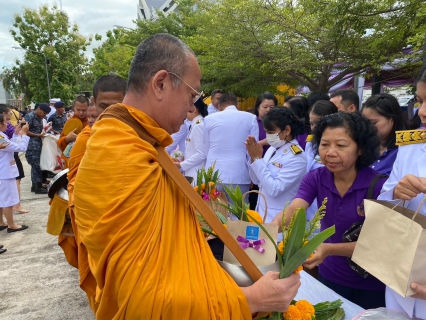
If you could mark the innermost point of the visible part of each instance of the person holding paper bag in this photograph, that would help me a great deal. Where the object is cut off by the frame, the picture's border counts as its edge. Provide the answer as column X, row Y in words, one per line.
column 407, row 181
column 347, row 144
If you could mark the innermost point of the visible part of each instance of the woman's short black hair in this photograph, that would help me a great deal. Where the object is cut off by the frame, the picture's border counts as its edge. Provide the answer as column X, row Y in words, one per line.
column 300, row 106
column 201, row 107
column 281, row 117
column 323, row 107
column 264, row 96
column 387, row 106
column 359, row 129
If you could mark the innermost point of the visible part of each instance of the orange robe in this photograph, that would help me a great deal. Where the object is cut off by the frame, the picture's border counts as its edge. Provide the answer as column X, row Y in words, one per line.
column 62, row 144
column 145, row 246
column 74, row 250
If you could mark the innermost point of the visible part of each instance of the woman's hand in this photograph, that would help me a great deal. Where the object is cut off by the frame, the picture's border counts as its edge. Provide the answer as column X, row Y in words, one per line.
column 177, row 164
column 17, row 129
column 409, row 187
column 272, row 294
column 319, row 255
column 254, row 149
column 421, row 291
column 24, row 130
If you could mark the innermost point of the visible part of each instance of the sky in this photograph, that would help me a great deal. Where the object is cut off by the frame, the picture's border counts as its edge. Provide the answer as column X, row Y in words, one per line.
column 92, row 16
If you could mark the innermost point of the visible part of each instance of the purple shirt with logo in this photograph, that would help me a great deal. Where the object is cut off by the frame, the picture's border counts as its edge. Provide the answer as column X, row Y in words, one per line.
column 341, row 212
column 302, row 140
column 9, row 131
column 385, row 163
column 262, row 135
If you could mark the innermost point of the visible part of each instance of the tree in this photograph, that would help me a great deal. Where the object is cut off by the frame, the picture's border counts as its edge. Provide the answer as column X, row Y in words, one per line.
column 47, row 31
column 245, row 43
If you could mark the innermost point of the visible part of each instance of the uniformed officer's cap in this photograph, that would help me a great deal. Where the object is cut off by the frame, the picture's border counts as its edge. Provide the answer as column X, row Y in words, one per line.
column 45, row 107
column 59, row 104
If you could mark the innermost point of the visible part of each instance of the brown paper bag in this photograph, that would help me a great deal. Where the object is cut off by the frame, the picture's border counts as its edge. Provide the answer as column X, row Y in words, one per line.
column 253, row 240
column 392, row 245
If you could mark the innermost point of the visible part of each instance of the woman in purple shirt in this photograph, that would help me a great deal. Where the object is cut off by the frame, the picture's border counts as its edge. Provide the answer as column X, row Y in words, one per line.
column 384, row 112
column 347, row 144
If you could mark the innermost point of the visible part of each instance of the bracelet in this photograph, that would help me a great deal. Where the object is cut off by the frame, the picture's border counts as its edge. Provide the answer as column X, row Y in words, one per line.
column 255, row 159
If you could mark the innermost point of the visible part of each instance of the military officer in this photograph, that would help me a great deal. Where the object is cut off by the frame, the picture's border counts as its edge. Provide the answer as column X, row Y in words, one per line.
column 58, row 118
column 281, row 170
column 407, row 181
column 36, row 134
column 194, row 155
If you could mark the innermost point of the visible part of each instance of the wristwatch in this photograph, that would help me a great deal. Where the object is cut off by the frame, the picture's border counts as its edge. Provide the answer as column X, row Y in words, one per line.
column 255, row 159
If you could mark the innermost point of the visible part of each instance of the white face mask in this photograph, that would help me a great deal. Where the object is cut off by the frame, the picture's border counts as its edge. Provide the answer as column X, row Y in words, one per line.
column 274, row 140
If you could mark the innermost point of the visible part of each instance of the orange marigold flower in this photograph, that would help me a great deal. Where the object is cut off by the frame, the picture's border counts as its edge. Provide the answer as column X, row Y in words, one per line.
column 292, row 313
column 211, row 183
column 305, row 307
column 299, row 268
column 203, row 186
column 306, row 316
column 256, row 216
column 281, row 247
column 196, row 188
column 226, row 226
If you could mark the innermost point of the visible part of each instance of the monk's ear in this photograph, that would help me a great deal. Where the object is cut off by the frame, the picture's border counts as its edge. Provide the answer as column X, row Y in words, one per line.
column 159, row 83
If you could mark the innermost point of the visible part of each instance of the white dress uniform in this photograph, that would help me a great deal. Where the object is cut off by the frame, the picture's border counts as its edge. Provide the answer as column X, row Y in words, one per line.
column 278, row 174
column 225, row 134
column 194, row 154
column 9, row 171
column 411, row 159
column 211, row 109
column 179, row 138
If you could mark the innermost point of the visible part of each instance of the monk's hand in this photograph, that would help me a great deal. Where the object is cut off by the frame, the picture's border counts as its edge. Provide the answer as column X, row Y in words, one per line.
column 319, row 255
column 421, row 291
column 254, row 149
column 409, row 187
column 272, row 294
column 72, row 136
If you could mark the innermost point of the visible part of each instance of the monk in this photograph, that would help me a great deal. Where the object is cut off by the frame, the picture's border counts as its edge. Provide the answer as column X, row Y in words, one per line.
column 145, row 247
column 108, row 90
column 80, row 105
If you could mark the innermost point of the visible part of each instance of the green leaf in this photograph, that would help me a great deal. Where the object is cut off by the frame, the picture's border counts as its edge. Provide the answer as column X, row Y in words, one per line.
column 303, row 253
column 221, row 217
column 295, row 239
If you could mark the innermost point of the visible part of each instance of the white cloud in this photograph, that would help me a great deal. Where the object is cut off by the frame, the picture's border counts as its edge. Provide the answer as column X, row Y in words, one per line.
column 92, row 16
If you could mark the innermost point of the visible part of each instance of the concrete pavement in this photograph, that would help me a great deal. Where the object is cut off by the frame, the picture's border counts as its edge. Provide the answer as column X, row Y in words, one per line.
column 36, row 280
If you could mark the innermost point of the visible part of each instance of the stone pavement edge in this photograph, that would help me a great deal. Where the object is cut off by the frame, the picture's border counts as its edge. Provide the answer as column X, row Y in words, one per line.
column 36, row 280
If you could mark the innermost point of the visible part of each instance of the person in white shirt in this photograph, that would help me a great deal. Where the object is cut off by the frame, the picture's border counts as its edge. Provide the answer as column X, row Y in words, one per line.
column 225, row 134
column 194, row 155
column 214, row 105
column 179, row 138
column 9, row 195
column 407, row 181
column 52, row 106
column 281, row 170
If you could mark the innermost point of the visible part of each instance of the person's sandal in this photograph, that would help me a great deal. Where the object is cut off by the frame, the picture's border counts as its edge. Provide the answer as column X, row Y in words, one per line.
column 21, row 210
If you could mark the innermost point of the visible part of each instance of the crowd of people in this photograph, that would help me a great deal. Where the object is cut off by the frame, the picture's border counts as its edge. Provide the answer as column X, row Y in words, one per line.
column 309, row 149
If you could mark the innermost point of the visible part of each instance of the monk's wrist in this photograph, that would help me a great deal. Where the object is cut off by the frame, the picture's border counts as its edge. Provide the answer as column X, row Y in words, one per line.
column 251, row 301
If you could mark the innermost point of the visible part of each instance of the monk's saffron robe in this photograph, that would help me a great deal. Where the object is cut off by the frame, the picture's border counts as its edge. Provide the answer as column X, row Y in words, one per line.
column 145, row 247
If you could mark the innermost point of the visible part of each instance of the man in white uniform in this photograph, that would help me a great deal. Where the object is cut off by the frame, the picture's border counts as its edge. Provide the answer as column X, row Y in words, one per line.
column 225, row 134
column 213, row 107
column 52, row 106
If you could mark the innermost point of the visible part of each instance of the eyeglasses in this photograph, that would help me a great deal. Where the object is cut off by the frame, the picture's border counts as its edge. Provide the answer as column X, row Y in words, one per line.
column 194, row 98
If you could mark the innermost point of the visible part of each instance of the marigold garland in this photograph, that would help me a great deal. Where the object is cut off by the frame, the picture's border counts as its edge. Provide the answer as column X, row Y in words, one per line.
column 292, row 313
column 305, row 307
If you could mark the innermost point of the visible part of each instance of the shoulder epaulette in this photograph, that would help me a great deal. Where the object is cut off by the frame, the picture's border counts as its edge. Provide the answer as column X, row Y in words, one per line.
column 295, row 149
column 198, row 121
column 309, row 138
column 406, row 137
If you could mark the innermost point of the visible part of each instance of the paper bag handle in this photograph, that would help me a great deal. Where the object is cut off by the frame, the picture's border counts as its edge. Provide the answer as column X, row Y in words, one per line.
column 264, row 199
column 418, row 208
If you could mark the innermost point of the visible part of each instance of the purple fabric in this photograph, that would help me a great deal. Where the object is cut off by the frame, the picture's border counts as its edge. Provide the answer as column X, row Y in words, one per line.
column 302, row 140
column 385, row 163
column 262, row 135
column 9, row 131
column 341, row 212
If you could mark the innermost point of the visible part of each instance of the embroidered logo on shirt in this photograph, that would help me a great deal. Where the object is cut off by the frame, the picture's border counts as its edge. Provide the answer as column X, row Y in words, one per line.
column 360, row 209
column 277, row 164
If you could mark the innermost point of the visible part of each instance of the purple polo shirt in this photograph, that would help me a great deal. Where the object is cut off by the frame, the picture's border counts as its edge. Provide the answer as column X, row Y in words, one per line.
column 9, row 130
column 302, row 140
column 385, row 163
column 341, row 212
column 262, row 135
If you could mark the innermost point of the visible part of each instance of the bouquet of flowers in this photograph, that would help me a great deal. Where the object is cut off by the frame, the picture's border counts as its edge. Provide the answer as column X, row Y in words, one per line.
column 239, row 207
column 177, row 155
column 304, row 310
column 206, row 183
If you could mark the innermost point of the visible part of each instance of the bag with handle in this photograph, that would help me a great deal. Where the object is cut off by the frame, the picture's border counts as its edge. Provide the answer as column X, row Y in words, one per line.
column 392, row 245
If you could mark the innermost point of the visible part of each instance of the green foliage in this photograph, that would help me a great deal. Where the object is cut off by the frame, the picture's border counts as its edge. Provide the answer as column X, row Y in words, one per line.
column 48, row 31
column 250, row 43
